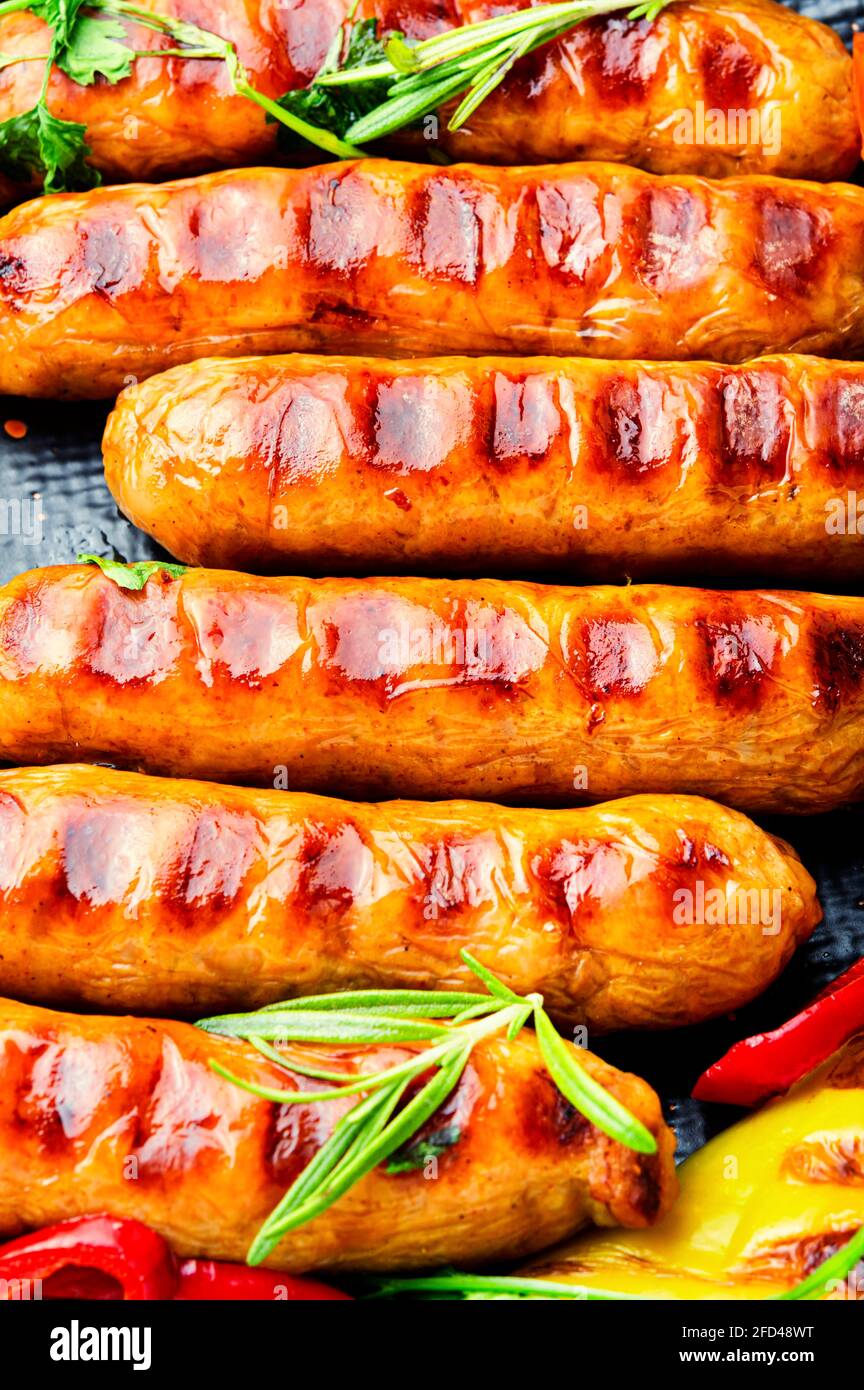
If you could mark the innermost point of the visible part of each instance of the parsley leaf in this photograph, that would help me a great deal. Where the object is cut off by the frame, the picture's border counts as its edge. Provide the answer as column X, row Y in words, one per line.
column 364, row 45
column 37, row 144
column 337, row 108
column 133, row 576
column 96, row 46
column 60, row 14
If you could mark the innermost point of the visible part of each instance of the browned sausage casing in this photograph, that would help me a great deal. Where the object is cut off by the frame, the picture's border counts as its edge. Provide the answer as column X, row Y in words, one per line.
column 435, row 688
column 133, row 892
column 127, row 1116
column 402, row 258
column 497, row 465
column 634, row 92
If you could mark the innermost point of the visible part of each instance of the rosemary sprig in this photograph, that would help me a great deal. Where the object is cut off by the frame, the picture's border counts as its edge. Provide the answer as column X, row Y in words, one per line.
column 447, row 1283
column 474, row 58
column 388, row 1116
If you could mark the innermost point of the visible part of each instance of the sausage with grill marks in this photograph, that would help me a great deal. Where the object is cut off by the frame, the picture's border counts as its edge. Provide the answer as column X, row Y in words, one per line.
column 630, row 91
column 497, row 466
column 410, row 259
column 486, row 689
column 127, row 1116
column 131, row 892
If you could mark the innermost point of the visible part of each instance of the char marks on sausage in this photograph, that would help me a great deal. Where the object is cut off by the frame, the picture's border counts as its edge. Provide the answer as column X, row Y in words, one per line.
column 740, row 655
column 838, row 663
column 637, row 428
column 525, row 419
column 623, row 56
column 573, row 875
column 839, row 413
column 670, row 232
column 730, row 73
column 335, row 870
column 447, row 229
column 613, row 655
column 792, row 241
column 211, row 864
column 135, row 639
column 755, row 429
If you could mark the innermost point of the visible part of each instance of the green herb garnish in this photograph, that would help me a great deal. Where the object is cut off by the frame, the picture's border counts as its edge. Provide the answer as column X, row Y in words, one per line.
column 390, row 1114
column 473, row 59
column 447, row 1283
column 38, row 143
column 369, row 86
column 418, row 1152
column 90, row 40
column 338, row 108
column 452, row 1284
column 131, row 576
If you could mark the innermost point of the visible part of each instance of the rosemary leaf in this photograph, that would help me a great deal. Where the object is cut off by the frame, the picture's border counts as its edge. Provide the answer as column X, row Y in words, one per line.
column 496, row 987
column 321, row 1184
column 400, row 53
column 293, row 1062
column 325, row 1027
column 520, row 1018
column 417, row 1152
column 586, row 1094
column 366, row 1082
column 487, row 80
column 402, row 110
column 416, row 81
column 346, row 1140
column 407, row 1002
column 473, row 58
column 369, row 1133
column 832, row 1271
column 452, row 1284
column 372, row 1152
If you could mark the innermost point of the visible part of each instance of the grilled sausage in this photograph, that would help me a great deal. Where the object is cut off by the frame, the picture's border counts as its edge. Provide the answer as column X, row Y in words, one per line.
column 402, row 258
column 437, row 688
column 761, row 1206
column 498, row 466
column 132, row 892
column 127, row 1116
column 634, row 92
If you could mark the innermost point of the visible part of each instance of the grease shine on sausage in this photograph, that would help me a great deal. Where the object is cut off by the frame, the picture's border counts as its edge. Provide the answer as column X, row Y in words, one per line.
column 410, row 259
column 497, row 465
column 436, row 688
column 127, row 1116
column 130, row 892
column 612, row 89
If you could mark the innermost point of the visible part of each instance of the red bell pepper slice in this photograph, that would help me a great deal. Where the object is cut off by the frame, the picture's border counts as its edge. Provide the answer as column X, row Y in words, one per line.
column 91, row 1257
column 769, row 1063
column 211, row 1279
column 103, row 1257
